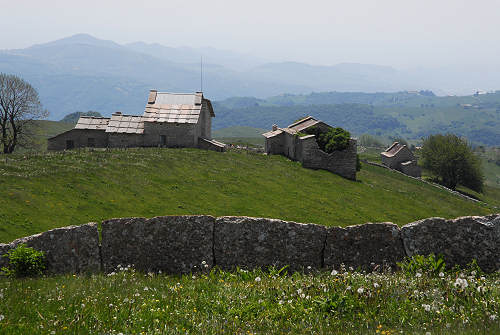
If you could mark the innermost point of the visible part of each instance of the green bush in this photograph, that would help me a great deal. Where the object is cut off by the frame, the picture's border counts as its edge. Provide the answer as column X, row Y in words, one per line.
column 333, row 139
column 24, row 262
column 422, row 264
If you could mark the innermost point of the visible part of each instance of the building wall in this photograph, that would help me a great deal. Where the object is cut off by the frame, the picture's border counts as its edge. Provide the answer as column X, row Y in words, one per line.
column 123, row 140
column 411, row 169
column 275, row 145
column 205, row 122
column 177, row 135
column 342, row 162
column 80, row 138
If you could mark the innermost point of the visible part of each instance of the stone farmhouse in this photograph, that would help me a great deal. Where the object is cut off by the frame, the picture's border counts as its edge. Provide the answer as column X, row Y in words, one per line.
column 169, row 120
column 399, row 157
column 292, row 143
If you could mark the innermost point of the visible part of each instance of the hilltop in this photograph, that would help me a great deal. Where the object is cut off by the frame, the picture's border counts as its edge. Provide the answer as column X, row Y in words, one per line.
column 43, row 191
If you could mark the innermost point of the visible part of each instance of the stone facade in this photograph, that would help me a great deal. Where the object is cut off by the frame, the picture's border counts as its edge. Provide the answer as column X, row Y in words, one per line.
column 181, row 244
column 169, row 120
column 460, row 240
column 292, row 143
column 257, row 242
column 172, row 244
column 399, row 157
column 73, row 249
column 367, row 246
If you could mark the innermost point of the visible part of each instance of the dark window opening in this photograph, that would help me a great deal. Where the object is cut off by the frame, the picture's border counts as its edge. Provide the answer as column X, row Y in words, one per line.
column 91, row 142
column 70, row 144
column 163, row 140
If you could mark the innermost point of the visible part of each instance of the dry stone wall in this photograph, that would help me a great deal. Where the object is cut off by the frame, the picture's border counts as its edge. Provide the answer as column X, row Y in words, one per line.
column 183, row 244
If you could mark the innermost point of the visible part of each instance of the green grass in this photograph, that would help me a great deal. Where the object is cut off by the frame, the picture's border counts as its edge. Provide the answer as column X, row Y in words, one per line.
column 251, row 302
column 48, row 190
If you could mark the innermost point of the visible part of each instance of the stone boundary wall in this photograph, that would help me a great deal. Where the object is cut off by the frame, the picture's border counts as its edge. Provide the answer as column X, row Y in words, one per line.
column 184, row 244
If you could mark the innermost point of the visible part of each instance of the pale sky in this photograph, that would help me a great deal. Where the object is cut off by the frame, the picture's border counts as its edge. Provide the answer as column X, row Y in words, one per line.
column 397, row 33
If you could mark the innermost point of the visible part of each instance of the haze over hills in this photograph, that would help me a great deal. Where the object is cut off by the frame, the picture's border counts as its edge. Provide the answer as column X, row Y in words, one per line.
column 81, row 72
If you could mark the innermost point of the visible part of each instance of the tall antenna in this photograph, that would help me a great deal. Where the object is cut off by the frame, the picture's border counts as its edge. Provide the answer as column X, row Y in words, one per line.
column 201, row 73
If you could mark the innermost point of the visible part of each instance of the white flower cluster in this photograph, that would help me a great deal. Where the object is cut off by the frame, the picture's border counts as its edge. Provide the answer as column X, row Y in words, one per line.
column 461, row 283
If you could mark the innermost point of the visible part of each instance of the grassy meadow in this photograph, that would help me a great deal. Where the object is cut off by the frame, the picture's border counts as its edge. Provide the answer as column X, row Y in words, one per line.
column 252, row 302
column 47, row 190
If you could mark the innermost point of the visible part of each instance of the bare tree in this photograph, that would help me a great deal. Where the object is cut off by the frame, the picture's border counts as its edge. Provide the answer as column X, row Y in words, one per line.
column 19, row 107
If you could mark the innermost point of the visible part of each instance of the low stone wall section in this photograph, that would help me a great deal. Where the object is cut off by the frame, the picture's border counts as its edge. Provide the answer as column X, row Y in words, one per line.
column 184, row 244
column 368, row 246
column 460, row 240
column 256, row 242
column 73, row 249
column 171, row 244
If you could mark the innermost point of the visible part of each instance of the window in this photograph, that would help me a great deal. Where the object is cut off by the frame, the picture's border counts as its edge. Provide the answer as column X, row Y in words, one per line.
column 91, row 142
column 70, row 144
column 163, row 140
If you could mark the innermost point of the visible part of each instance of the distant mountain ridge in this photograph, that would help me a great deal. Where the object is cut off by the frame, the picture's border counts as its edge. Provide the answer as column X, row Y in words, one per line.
column 82, row 72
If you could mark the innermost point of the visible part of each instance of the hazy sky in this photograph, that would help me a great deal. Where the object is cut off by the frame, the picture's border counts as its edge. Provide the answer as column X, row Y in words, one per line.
column 399, row 33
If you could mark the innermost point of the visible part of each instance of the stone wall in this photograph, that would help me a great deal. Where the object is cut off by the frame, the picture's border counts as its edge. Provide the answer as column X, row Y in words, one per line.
column 182, row 244
column 80, row 138
column 342, row 162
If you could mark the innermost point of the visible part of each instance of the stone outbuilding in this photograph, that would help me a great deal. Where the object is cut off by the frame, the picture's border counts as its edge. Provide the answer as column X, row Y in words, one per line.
column 294, row 143
column 169, row 120
column 399, row 157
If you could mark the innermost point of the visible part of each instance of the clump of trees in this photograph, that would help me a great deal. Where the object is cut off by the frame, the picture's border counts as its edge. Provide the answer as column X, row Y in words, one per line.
column 451, row 159
column 331, row 139
column 19, row 107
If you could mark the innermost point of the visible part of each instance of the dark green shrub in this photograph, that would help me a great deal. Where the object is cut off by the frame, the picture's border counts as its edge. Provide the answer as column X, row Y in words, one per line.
column 358, row 163
column 24, row 262
column 331, row 140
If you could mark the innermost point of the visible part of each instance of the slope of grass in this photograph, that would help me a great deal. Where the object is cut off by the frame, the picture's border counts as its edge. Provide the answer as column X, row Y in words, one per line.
column 44, row 191
column 252, row 302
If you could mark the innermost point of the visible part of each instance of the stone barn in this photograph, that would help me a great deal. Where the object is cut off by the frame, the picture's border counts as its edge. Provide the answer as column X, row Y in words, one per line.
column 399, row 157
column 169, row 120
column 294, row 143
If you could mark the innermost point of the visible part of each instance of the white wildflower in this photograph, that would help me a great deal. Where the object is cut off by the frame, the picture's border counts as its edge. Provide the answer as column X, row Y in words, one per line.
column 441, row 274
column 348, row 288
column 361, row 290
column 428, row 333
column 125, row 300
column 203, row 263
column 146, row 288
column 299, row 291
column 426, row 307
column 257, row 279
column 493, row 317
column 334, row 272
column 110, row 305
column 376, row 285
column 418, row 275
column 2, row 317
column 461, row 283
column 280, row 302
column 308, row 297
column 309, row 267
column 302, row 295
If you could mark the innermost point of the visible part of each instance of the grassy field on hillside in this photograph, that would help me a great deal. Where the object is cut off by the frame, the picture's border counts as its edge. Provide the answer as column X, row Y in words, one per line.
column 253, row 302
column 44, row 191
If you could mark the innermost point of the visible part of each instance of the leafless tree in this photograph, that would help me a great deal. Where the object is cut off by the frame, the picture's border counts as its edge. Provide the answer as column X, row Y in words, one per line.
column 19, row 107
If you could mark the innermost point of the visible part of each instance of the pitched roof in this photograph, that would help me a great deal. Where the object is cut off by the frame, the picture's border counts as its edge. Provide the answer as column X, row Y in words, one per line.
column 304, row 123
column 393, row 149
column 92, row 122
column 175, row 107
column 128, row 124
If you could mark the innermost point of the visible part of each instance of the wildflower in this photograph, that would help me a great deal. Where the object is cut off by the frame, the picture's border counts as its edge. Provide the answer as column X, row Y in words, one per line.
column 426, row 307
column 361, row 290
column 461, row 282
column 2, row 317
column 110, row 305
column 334, row 272
column 299, row 291
column 146, row 288
column 376, row 285
column 418, row 275
column 280, row 302
column 428, row 333
column 83, row 305
column 493, row 317
column 302, row 295
column 257, row 279
column 309, row 267
column 441, row 274
column 111, row 274
column 348, row 288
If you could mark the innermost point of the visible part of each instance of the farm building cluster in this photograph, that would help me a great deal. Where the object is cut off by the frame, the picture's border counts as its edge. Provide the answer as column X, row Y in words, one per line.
column 294, row 143
column 169, row 120
column 399, row 157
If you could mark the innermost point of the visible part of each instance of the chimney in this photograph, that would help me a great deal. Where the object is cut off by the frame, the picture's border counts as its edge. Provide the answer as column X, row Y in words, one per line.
column 152, row 97
column 275, row 127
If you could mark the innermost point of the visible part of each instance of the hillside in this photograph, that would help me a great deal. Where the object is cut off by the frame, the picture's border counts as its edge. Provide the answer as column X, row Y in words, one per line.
column 44, row 191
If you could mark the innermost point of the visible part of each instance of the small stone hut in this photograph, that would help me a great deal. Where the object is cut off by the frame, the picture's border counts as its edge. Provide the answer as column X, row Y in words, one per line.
column 399, row 157
column 294, row 144
column 169, row 120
